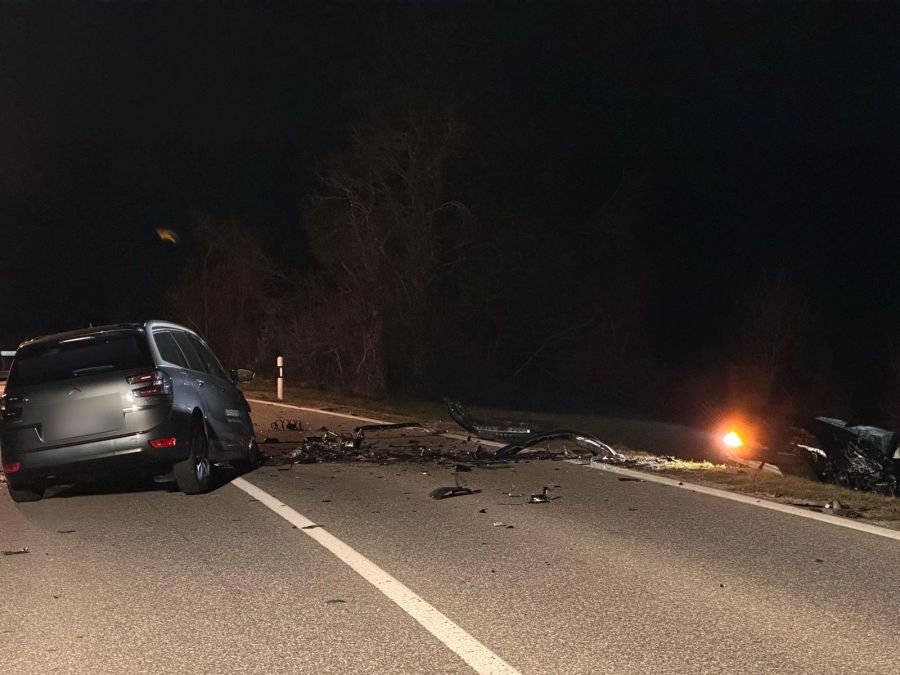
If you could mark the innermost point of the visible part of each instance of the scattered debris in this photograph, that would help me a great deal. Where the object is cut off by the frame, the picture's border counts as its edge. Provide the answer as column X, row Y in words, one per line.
column 310, row 527
column 65, row 531
column 457, row 490
column 360, row 432
column 335, row 601
column 833, row 507
column 497, row 431
column 18, row 551
column 287, row 424
column 499, row 523
column 541, row 498
column 630, row 479
column 454, row 491
column 482, row 510
column 599, row 450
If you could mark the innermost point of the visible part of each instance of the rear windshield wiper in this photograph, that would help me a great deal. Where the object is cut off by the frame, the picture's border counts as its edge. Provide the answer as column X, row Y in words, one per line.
column 88, row 370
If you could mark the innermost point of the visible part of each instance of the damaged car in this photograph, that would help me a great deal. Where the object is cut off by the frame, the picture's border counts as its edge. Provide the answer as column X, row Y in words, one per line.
column 148, row 397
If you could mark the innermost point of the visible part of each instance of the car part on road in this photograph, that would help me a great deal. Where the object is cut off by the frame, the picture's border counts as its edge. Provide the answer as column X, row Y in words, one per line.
column 360, row 432
column 453, row 491
column 18, row 551
column 522, row 435
column 495, row 431
column 833, row 507
column 540, row 498
column 593, row 445
column 287, row 424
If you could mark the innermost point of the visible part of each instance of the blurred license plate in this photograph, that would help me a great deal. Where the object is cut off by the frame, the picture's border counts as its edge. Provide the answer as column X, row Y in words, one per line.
column 90, row 418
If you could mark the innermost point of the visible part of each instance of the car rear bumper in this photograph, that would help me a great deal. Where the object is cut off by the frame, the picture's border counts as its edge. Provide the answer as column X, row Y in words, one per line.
column 82, row 460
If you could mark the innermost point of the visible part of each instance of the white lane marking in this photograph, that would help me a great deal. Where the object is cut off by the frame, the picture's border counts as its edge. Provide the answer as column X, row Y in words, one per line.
column 745, row 499
column 671, row 482
column 316, row 410
column 480, row 658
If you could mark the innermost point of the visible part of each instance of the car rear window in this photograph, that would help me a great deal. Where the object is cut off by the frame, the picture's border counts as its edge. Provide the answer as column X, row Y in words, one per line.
column 79, row 357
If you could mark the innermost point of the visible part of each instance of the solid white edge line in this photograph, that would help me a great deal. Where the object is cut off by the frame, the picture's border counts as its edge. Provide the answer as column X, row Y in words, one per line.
column 474, row 653
column 746, row 499
column 671, row 482
column 316, row 410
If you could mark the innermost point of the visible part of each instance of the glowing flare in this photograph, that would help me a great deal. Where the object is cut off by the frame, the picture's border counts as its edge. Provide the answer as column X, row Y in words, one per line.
column 732, row 440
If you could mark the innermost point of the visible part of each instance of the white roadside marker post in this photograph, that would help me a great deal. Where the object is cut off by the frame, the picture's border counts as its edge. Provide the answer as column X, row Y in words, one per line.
column 279, row 363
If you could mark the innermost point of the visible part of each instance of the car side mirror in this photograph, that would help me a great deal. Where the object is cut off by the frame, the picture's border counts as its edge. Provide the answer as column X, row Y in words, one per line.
column 242, row 375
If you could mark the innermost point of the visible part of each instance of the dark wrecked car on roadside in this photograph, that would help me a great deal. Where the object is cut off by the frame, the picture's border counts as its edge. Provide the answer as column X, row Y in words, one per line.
column 857, row 456
column 860, row 457
column 148, row 397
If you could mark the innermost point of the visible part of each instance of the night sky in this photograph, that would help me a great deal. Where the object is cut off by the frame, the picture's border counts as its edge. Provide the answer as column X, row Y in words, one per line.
column 767, row 133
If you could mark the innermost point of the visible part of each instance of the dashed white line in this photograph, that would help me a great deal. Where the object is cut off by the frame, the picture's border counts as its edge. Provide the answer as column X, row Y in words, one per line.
column 474, row 653
column 723, row 494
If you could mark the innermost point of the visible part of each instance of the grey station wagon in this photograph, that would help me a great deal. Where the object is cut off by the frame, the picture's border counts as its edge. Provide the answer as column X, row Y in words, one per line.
column 148, row 396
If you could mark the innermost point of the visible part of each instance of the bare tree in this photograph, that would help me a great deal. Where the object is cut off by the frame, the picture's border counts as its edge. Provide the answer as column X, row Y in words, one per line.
column 225, row 289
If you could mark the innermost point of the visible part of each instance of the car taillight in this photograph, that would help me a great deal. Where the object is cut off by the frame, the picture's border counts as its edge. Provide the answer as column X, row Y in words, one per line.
column 7, row 410
column 157, row 384
column 12, row 467
column 163, row 442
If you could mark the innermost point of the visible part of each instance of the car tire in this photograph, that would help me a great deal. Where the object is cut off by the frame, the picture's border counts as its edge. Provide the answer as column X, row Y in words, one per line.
column 29, row 493
column 254, row 455
column 194, row 475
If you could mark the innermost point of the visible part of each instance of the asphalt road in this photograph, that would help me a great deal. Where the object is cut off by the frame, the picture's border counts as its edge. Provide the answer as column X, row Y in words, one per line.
column 611, row 576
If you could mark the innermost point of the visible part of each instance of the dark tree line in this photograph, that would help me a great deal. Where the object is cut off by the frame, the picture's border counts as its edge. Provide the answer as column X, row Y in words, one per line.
column 423, row 280
column 439, row 252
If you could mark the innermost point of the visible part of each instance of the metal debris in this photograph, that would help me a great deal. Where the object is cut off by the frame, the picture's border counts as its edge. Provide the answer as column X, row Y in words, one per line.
column 287, row 424
column 18, row 551
column 541, row 498
column 833, row 507
column 455, row 491
column 360, row 432
column 596, row 447
column 498, row 431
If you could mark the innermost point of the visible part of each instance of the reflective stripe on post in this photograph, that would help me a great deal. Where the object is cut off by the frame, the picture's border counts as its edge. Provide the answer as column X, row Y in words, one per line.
column 279, row 363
